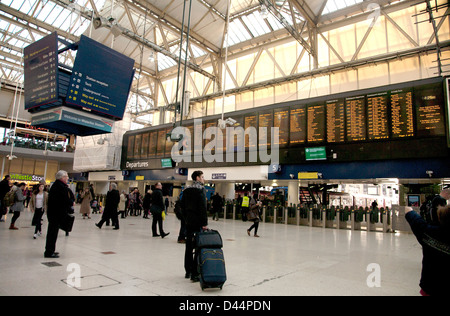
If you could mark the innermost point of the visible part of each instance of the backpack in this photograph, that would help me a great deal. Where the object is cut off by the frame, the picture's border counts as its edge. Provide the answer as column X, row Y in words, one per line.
column 10, row 198
column 426, row 209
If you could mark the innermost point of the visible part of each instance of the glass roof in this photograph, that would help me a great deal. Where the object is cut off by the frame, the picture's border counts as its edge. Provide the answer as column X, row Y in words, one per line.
column 247, row 22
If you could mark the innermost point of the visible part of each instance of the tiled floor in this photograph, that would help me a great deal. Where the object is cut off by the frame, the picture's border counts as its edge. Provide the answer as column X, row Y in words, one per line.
column 286, row 260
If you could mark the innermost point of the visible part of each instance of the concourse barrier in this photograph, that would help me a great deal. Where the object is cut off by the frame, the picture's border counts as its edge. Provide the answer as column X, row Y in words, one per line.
column 336, row 217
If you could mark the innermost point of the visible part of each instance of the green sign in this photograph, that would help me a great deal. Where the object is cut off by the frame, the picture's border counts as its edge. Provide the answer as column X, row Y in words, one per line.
column 317, row 153
column 166, row 163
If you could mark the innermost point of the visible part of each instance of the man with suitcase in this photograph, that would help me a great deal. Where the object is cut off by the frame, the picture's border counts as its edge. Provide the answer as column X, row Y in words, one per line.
column 193, row 205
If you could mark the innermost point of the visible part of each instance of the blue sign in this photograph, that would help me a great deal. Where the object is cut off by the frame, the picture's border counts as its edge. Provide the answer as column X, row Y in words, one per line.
column 101, row 79
column 41, row 72
column 66, row 120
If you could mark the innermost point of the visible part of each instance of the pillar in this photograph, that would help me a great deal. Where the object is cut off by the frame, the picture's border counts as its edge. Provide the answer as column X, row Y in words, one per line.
column 293, row 193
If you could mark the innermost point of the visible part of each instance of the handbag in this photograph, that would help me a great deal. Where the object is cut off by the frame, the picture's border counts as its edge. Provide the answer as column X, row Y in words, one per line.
column 67, row 223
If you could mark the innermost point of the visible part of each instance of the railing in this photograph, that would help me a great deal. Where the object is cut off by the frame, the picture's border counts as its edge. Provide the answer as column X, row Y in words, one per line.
column 351, row 218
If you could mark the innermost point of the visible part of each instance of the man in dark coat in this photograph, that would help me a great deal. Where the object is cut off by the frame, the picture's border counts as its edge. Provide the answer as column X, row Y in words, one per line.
column 157, row 208
column 111, row 205
column 4, row 188
column 193, row 205
column 60, row 204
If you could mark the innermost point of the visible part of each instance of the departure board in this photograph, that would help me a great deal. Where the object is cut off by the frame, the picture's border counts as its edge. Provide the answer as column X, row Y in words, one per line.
column 430, row 111
column 281, row 120
column 402, row 115
column 377, row 116
column 161, row 143
column 41, row 71
column 250, row 120
column 336, row 121
column 298, row 125
column 265, row 127
column 137, row 146
column 169, row 143
column 316, row 123
column 144, row 147
column 356, row 118
column 153, row 144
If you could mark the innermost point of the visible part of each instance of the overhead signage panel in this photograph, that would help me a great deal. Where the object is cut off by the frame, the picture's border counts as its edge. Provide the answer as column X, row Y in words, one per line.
column 101, row 79
column 65, row 120
column 41, row 72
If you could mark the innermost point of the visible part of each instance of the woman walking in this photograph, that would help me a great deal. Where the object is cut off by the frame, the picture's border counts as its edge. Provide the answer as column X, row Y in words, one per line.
column 38, row 205
column 18, row 205
column 85, row 208
column 253, row 216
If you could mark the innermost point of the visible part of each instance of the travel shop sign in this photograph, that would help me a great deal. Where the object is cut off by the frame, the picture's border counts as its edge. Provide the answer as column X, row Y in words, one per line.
column 26, row 177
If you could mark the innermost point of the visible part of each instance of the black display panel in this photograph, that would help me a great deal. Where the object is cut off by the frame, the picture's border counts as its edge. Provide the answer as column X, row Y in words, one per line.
column 430, row 111
column 265, row 128
column 41, row 72
column 373, row 122
column 355, row 108
column 250, row 120
column 336, row 121
column 281, row 120
column 298, row 125
column 101, row 79
column 153, row 144
column 316, row 123
column 402, row 113
column 377, row 116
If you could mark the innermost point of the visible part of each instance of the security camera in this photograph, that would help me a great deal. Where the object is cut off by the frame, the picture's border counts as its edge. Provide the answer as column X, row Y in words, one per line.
column 222, row 124
column 292, row 176
column 430, row 173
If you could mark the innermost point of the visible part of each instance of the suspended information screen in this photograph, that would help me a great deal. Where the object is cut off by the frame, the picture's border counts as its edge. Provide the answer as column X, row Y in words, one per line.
column 101, row 79
column 41, row 72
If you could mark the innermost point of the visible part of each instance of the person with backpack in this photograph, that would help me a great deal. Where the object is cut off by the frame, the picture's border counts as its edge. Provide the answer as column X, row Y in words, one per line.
column 428, row 210
column 18, row 204
column 193, row 208
column 435, row 241
column 4, row 189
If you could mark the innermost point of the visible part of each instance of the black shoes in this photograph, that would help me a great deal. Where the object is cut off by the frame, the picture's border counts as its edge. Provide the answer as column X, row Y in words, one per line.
column 162, row 235
column 53, row 255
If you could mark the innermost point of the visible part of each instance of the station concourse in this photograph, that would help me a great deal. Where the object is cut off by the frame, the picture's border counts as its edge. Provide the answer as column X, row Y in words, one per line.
column 332, row 116
column 284, row 261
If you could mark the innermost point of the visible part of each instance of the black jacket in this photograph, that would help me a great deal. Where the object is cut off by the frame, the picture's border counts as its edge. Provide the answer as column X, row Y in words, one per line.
column 112, row 201
column 435, row 241
column 59, row 202
column 157, row 201
column 193, row 205
column 4, row 188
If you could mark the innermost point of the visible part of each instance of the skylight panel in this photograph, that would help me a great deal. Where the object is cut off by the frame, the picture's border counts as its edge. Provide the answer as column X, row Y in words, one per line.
column 238, row 33
column 336, row 5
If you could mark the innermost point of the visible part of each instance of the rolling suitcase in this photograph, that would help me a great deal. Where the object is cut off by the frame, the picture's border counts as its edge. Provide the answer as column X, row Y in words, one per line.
column 211, row 262
column 208, row 239
column 211, row 268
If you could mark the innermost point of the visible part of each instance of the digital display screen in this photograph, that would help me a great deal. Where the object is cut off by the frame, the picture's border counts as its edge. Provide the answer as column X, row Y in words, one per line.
column 416, row 111
column 298, row 125
column 41, row 71
column 402, row 113
column 250, row 121
column 377, row 116
column 430, row 111
column 336, row 121
column 281, row 120
column 356, row 118
column 316, row 123
column 265, row 128
column 101, row 79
